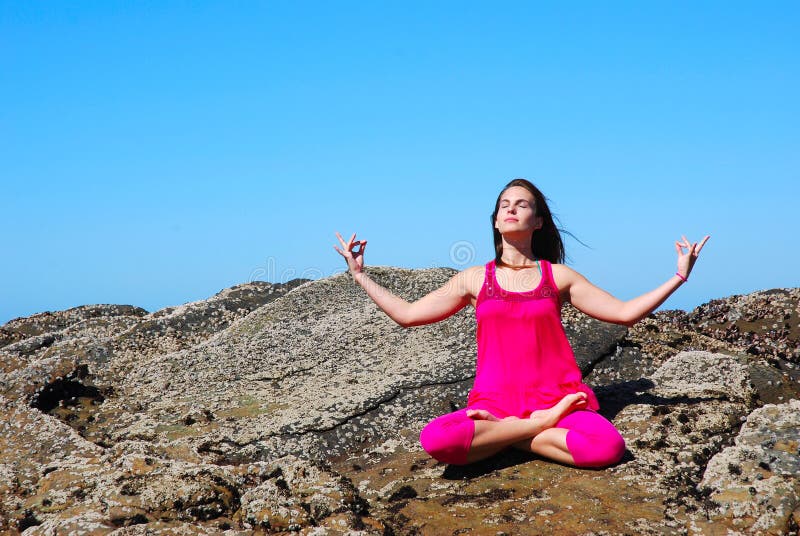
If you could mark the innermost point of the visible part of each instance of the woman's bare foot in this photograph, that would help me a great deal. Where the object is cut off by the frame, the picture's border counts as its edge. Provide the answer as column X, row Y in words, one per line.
column 481, row 415
column 484, row 415
column 548, row 418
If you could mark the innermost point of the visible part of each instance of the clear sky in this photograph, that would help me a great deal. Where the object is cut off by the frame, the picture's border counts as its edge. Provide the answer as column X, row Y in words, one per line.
column 154, row 153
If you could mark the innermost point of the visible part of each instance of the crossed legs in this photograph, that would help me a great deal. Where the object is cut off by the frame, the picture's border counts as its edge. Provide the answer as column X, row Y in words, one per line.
column 565, row 433
column 493, row 434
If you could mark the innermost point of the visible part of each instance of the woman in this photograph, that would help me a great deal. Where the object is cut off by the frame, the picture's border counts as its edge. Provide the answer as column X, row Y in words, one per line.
column 528, row 392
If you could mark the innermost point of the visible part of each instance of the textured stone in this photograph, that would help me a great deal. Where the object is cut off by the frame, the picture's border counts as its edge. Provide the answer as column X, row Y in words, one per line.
column 755, row 483
column 704, row 374
column 591, row 340
column 652, row 491
column 298, row 407
column 765, row 323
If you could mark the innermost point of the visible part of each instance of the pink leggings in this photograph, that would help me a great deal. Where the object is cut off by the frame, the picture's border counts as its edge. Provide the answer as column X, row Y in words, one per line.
column 592, row 439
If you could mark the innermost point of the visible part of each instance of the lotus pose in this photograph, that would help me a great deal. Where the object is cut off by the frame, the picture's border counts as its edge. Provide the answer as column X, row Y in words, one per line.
column 528, row 391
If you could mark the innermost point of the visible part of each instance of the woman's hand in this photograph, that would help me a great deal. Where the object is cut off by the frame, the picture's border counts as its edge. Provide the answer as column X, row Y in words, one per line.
column 355, row 259
column 601, row 305
column 686, row 259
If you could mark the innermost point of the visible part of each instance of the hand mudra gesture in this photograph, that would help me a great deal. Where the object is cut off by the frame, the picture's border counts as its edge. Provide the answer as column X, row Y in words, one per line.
column 686, row 259
column 354, row 258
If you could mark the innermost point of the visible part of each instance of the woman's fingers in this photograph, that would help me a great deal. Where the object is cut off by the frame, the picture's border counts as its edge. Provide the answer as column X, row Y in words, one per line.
column 702, row 243
column 694, row 251
column 344, row 246
column 692, row 247
column 341, row 240
column 350, row 244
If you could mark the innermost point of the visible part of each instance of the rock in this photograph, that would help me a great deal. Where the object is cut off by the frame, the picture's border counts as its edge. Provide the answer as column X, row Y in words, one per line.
column 53, row 322
column 591, row 340
column 269, row 507
column 653, row 490
column 133, row 483
column 176, row 328
column 704, row 375
column 755, row 484
column 311, row 372
column 292, row 376
column 32, row 446
column 90, row 347
column 765, row 324
column 81, row 522
column 298, row 407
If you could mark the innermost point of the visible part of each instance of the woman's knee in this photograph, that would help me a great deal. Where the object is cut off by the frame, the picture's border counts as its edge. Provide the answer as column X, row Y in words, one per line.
column 596, row 451
column 593, row 440
column 448, row 438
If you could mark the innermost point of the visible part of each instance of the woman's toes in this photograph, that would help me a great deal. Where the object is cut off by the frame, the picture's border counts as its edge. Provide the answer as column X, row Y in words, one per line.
column 577, row 399
column 481, row 415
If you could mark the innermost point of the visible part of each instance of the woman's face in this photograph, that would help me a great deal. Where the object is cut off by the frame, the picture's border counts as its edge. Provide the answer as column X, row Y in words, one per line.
column 517, row 211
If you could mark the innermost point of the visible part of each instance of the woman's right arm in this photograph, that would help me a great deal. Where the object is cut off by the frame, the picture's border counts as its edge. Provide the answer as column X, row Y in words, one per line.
column 433, row 307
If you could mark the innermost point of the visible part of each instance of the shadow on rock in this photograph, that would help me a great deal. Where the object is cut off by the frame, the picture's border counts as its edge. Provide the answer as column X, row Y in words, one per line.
column 616, row 397
column 502, row 460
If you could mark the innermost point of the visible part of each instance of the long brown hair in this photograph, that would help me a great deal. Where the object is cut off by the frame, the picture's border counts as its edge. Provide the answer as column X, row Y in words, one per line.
column 546, row 242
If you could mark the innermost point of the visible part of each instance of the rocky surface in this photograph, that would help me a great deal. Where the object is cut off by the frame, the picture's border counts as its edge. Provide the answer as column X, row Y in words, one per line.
column 297, row 408
column 765, row 323
column 754, row 483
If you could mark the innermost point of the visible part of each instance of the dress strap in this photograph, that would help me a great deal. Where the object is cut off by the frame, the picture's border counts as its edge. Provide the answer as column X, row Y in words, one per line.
column 547, row 272
column 489, row 279
column 549, row 280
column 488, row 286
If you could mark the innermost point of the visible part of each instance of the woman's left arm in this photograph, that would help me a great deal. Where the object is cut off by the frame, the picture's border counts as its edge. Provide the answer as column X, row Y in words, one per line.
column 599, row 304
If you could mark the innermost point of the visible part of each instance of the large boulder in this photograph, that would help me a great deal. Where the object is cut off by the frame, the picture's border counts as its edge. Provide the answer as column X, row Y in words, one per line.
column 270, row 408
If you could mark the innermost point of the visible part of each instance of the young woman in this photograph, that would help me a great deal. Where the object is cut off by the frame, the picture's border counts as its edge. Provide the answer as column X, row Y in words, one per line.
column 528, row 391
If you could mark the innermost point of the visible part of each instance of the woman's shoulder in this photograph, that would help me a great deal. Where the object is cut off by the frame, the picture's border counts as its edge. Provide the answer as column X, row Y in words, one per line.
column 473, row 272
column 563, row 268
column 564, row 274
column 477, row 269
column 472, row 278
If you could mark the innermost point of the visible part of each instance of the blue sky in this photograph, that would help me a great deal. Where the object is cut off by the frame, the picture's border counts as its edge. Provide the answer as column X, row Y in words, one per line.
column 154, row 153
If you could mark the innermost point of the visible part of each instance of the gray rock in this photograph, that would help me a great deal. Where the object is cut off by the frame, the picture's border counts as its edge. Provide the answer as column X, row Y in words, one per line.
column 319, row 371
column 764, row 323
column 704, row 375
column 282, row 379
column 205, row 418
column 591, row 340
column 756, row 482
column 52, row 322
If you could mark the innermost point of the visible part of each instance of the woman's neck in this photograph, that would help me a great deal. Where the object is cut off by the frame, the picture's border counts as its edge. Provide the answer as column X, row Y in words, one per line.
column 517, row 254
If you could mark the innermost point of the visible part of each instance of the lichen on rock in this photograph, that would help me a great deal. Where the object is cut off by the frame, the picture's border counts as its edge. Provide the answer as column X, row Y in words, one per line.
column 297, row 407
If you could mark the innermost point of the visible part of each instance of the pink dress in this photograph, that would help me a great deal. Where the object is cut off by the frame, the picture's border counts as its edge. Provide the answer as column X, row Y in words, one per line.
column 525, row 362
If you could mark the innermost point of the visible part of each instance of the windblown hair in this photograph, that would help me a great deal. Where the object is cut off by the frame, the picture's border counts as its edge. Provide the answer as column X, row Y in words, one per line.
column 546, row 242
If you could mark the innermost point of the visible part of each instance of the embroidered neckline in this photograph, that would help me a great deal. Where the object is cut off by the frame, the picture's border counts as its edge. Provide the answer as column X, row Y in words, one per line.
column 492, row 290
